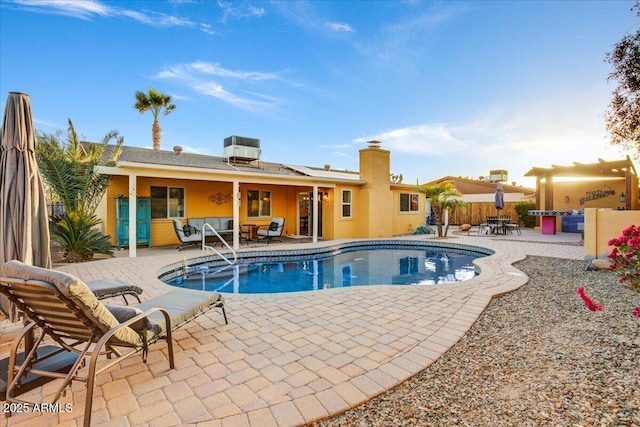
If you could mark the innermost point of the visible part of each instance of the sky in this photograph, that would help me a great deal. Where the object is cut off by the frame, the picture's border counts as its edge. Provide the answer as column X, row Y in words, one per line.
column 451, row 88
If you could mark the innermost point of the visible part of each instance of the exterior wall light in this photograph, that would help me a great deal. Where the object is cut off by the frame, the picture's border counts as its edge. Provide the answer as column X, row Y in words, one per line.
column 623, row 198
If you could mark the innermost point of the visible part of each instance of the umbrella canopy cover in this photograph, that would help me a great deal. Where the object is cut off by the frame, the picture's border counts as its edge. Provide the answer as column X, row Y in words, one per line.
column 24, row 221
column 499, row 197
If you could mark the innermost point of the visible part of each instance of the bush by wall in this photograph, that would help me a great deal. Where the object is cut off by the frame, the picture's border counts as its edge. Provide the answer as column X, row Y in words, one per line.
column 523, row 209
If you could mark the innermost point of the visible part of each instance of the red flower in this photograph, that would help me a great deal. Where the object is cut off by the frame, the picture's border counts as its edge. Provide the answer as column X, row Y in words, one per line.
column 588, row 302
column 636, row 312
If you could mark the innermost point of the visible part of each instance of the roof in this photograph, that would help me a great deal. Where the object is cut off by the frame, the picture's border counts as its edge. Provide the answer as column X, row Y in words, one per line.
column 206, row 162
column 604, row 169
column 476, row 186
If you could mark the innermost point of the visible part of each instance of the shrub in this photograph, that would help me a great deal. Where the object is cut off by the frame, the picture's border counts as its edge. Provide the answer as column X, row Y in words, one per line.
column 626, row 257
column 77, row 237
column 522, row 209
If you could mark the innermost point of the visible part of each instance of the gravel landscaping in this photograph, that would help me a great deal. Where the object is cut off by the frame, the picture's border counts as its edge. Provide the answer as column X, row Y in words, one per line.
column 535, row 357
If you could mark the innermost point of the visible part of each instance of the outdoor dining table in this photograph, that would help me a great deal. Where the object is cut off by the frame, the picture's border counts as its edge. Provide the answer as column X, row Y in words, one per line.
column 498, row 224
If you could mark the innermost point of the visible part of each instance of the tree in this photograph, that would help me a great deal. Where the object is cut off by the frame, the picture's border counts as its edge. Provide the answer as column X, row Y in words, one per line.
column 444, row 196
column 68, row 170
column 155, row 102
column 623, row 116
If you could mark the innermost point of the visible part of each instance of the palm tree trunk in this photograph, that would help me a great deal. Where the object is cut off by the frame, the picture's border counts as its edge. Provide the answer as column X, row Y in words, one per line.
column 437, row 210
column 156, row 134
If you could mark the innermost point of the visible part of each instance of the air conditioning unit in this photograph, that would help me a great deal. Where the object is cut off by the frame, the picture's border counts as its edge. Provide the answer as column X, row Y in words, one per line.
column 499, row 175
column 239, row 148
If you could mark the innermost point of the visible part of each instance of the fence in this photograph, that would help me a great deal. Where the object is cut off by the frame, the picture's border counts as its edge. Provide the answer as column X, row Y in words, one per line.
column 469, row 214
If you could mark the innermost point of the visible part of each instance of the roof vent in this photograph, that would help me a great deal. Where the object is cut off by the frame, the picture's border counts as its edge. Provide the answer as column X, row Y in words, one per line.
column 177, row 150
column 327, row 167
column 241, row 148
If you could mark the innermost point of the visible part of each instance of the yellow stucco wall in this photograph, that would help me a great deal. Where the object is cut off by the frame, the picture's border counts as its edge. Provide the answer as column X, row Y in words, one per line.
column 584, row 194
column 602, row 225
column 406, row 222
column 375, row 205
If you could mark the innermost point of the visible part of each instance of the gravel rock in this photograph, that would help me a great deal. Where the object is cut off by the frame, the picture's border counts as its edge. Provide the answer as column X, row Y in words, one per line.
column 535, row 357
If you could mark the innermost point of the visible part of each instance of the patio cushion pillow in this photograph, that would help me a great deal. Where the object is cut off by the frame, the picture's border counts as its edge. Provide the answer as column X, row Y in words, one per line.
column 189, row 230
column 273, row 226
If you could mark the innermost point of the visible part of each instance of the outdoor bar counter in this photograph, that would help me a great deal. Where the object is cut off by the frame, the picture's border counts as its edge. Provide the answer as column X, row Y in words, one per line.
column 548, row 220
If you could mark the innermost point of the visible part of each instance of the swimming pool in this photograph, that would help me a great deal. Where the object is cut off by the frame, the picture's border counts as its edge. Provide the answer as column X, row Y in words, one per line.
column 348, row 265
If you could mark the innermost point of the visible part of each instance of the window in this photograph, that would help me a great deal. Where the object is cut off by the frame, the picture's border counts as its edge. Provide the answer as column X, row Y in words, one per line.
column 409, row 202
column 258, row 203
column 346, row 203
column 167, row 202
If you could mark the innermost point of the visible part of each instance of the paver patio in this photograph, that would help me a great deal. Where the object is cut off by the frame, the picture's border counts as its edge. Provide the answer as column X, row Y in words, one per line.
column 290, row 359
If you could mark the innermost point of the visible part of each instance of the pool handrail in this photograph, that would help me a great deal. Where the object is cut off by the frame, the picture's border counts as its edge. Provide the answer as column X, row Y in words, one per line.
column 224, row 242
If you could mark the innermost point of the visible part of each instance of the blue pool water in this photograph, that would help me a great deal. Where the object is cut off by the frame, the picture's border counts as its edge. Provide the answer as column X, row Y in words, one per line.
column 406, row 266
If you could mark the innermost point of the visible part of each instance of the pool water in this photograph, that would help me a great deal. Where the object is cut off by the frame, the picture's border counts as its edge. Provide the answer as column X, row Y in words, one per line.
column 354, row 268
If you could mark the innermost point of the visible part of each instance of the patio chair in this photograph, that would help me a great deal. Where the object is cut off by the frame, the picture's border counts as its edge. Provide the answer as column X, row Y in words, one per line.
column 187, row 237
column 514, row 226
column 273, row 230
column 481, row 225
column 65, row 310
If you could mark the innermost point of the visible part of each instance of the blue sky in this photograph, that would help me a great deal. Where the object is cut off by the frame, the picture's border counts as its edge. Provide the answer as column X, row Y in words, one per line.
column 450, row 88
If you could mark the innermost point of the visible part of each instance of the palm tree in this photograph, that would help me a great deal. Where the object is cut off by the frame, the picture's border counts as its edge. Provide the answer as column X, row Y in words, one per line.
column 444, row 196
column 68, row 168
column 69, row 172
column 154, row 101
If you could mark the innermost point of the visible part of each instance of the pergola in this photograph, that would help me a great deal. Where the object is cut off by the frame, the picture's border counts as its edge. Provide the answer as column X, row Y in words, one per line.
column 602, row 169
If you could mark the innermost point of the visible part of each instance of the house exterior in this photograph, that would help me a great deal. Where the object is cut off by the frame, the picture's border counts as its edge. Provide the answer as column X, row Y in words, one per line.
column 317, row 202
column 479, row 198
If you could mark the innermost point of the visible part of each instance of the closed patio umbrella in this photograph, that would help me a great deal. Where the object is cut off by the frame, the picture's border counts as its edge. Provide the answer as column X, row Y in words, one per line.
column 24, row 222
column 499, row 197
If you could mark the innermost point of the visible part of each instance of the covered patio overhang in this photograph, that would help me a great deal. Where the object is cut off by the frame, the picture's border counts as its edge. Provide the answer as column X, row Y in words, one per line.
column 618, row 169
column 134, row 170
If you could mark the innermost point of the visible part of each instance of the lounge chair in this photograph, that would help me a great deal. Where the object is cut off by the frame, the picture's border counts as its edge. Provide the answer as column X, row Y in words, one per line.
column 65, row 309
column 110, row 288
column 273, row 230
column 189, row 237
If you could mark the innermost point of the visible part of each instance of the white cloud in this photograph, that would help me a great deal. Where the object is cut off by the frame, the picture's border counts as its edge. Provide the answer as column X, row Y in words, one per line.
column 515, row 140
column 238, row 10
column 340, row 27
column 87, row 9
column 73, row 8
column 210, row 79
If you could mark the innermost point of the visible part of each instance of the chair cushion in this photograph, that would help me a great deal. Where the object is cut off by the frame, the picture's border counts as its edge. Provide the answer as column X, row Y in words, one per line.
column 124, row 313
column 198, row 223
column 182, row 305
column 213, row 221
column 105, row 288
column 76, row 291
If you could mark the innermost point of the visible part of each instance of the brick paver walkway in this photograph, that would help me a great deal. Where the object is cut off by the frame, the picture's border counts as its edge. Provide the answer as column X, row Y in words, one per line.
column 290, row 359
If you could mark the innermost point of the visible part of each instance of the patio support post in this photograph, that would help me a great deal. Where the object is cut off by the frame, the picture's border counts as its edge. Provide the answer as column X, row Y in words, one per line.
column 133, row 215
column 236, row 215
column 315, row 213
column 133, row 223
